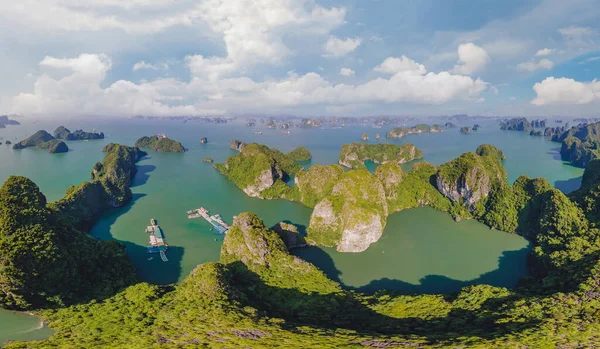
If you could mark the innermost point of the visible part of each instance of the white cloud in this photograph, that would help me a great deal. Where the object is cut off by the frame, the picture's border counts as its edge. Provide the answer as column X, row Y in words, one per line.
column 336, row 47
column 393, row 65
column 81, row 91
column 544, row 52
column 347, row 72
column 144, row 65
column 533, row 66
column 472, row 58
column 578, row 37
column 565, row 91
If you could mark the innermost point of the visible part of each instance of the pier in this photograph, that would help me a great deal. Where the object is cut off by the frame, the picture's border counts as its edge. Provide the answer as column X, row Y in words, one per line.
column 215, row 220
column 157, row 241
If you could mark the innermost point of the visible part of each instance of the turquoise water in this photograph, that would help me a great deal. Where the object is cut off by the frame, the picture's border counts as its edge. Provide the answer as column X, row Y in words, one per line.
column 417, row 246
column 20, row 326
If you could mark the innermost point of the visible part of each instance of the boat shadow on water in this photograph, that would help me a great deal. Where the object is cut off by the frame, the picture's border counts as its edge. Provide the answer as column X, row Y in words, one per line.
column 509, row 263
column 153, row 271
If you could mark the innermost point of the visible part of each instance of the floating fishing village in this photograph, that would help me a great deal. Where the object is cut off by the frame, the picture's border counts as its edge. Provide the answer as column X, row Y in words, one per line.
column 157, row 240
column 215, row 220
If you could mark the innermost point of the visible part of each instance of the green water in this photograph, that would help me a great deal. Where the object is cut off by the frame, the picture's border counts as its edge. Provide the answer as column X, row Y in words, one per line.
column 20, row 326
column 421, row 250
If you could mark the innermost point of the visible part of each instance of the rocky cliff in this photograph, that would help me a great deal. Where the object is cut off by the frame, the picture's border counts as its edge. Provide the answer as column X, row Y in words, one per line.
column 353, row 216
column 237, row 145
column 516, row 124
column 65, row 134
column 469, row 179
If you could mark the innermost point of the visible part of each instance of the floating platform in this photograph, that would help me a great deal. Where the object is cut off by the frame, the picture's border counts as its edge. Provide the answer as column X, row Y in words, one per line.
column 157, row 240
column 215, row 220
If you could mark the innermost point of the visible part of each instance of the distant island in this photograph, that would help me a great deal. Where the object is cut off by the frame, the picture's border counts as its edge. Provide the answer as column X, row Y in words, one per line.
column 355, row 154
column 580, row 144
column 465, row 130
column 399, row 132
column 63, row 133
column 4, row 121
column 160, row 143
column 516, row 124
column 43, row 140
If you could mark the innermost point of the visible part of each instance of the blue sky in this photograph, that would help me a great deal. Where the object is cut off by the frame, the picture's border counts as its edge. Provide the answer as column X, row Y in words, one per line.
column 303, row 57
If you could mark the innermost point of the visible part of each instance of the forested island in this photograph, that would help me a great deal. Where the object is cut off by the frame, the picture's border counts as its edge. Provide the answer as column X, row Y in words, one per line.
column 580, row 144
column 43, row 140
column 47, row 258
column 399, row 132
column 355, row 154
column 258, row 295
column 160, row 144
column 65, row 134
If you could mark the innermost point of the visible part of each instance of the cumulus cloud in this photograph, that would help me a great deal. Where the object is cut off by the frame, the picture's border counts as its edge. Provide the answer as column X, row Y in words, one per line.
column 544, row 52
column 347, row 72
column 393, row 65
column 143, row 65
column 533, row 66
column 81, row 91
column 471, row 58
column 336, row 47
column 565, row 91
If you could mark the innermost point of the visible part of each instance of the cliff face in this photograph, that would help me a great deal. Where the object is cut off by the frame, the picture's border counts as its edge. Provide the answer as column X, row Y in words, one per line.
column 399, row 132
column 353, row 215
column 39, row 137
column 237, row 145
column 516, row 124
column 65, row 134
column 355, row 154
column 469, row 179
column 580, row 144
column 390, row 175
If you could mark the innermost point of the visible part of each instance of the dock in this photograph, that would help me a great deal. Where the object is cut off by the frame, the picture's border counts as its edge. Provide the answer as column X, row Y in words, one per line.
column 157, row 241
column 215, row 220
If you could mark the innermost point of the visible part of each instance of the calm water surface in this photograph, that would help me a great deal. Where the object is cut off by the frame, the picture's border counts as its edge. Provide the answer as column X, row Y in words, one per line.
column 422, row 250
column 20, row 326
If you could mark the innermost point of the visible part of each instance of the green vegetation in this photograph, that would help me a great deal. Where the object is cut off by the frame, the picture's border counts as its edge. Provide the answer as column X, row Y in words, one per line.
column 399, row 132
column 316, row 183
column 65, row 134
column 160, row 144
column 54, row 146
column 580, row 144
column 588, row 195
column 516, row 124
column 45, row 261
column 465, row 130
column 260, row 296
column 354, row 155
column 300, row 154
column 209, row 160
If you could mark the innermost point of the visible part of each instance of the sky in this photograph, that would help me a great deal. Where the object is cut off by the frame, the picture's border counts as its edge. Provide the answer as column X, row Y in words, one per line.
column 299, row 57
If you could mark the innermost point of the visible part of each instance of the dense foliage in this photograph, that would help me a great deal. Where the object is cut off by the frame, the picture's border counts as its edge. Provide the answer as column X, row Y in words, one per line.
column 300, row 154
column 65, row 134
column 355, row 154
column 45, row 261
column 160, row 144
column 39, row 137
column 54, row 146
column 399, row 132
column 580, row 143
column 516, row 124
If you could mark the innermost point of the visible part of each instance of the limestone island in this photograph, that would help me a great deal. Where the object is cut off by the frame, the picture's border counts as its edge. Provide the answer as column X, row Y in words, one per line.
column 449, row 125
column 43, row 140
column 209, row 160
column 399, row 132
column 65, row 134
column 160, row 143
column 580, row 144
column 355, row 154
column 203, row 140
column 237, row 145
column 300, row 154
column 465, row 130
column 516, row 124
column 4, row 121
column 364, row 137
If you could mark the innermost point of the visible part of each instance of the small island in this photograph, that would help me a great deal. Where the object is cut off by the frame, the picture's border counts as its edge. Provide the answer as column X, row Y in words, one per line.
column 203, row 140
column 8, row 143
column 465, row 130
column 579, row 144
column 237, row 145
column 449, row 125
column 209, row 160
column 516, row 124
column 4, row 121
column 43, row 140
column 160, row 143
column 355, row 154
column 399, row 132
column 65, row 134
column 300, row 154
column 364, row 137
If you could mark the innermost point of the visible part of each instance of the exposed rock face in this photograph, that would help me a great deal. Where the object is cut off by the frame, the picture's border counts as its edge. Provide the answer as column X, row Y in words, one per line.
column 580, row 144
column 353, row 216
column 364, row 137
column 516, row 124
column 390, row 175
column 290, row 235
column 355, row 154
column 203, row 140
column 265, row 180
column 237, row 145
column 465, row 130
column 470, row 178
column 377, row 136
